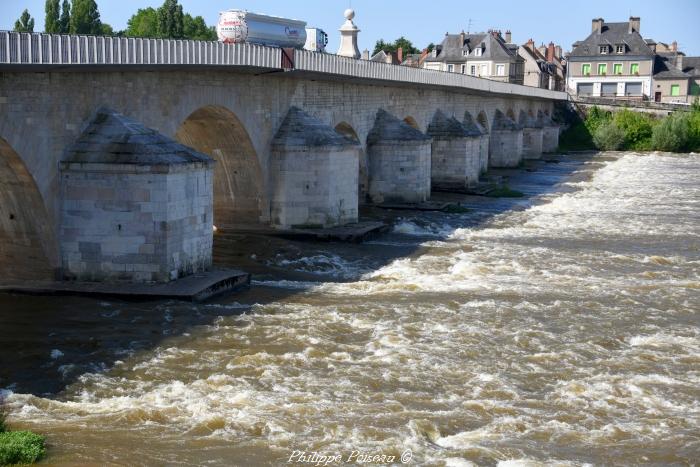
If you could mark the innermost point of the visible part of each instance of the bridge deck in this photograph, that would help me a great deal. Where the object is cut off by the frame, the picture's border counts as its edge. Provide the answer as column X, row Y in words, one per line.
column 43, row 52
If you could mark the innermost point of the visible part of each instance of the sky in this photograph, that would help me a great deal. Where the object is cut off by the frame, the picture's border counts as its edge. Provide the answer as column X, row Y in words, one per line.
column 562, row 22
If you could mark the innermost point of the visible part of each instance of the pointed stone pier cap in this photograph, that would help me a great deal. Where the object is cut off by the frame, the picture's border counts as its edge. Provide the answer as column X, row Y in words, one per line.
column 389, row 128
column 300, row 129
column 112, row 138
column 528, row 121
column 449, row 127
column 348, row 36
column 472, row 125
column 502, row 122
column 546, row 119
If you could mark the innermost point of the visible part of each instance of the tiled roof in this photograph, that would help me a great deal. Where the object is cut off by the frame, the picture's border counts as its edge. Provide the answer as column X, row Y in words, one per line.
column 612, row 34
column 493, row 48
column 665, row 68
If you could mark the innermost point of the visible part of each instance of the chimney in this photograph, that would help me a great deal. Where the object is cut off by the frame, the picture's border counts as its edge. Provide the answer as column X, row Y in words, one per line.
column 462, row 38
column 557, row 51
column 365, row 54
column 509, row 37
column 597, row 25
column 530, row 45
column 635, row 22
column 399, row 54
column 679, row 62
column 674, row 46
column 550, row 52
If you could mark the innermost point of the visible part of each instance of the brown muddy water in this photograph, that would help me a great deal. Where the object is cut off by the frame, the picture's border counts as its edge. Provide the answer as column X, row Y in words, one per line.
column 562, row 328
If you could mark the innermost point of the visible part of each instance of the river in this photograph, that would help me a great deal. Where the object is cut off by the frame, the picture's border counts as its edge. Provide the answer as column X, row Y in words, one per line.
column 560, row 328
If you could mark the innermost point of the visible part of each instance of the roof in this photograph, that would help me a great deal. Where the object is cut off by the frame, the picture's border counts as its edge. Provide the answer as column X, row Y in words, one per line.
column 665, row 67
column 389, row 128
column 493, row 47
column 300, row 129
column 691, row 65
column 612, row 34
column 112, row 138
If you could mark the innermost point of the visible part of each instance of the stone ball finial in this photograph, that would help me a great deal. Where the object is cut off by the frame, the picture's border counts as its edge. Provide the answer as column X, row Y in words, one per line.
column 349, row 14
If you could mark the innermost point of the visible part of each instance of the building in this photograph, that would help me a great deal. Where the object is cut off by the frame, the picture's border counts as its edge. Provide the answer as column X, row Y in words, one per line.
column 544, row 67
column 486, row 55
column 675, row 75
column 613, row 61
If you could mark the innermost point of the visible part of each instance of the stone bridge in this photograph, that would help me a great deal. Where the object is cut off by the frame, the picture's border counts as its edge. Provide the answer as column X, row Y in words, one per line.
column 263, row 114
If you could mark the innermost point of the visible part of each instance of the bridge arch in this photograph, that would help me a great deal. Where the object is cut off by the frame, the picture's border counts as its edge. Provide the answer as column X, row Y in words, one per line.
column 483, row 120
column 511, row 114
column 347, row 130
column 28, row 248
column 238, row 178
column 412, row 122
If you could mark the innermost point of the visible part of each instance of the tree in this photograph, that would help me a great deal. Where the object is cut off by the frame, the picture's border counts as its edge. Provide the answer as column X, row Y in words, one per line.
column 25, row 23
column 196, row 29
column 85, row 18
column 401, row 42
column 52, row 23
column 143, row 24
column 107, row 30
column 170, row 20
column 64, row 21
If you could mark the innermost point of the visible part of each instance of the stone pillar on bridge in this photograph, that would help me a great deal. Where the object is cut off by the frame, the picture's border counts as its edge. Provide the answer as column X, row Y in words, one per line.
column 532, row 135
column 473, row 126
column 455, row 153
column 399, row 161
column 135, row 205
column 348, row 36
column 506, row 144
column 550, row 134
column 314, row 173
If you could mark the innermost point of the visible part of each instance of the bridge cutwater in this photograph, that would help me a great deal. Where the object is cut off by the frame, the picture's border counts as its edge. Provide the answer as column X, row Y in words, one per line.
column 118, row 154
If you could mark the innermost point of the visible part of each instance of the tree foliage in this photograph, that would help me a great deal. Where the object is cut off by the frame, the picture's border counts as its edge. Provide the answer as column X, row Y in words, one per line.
column 25, row 23
column 143, row 24
column 609, row 137
column 64, row 21
column 52, row 22
column 196, row 29
column 85, row 18
column 170, row 20
column 401, row 42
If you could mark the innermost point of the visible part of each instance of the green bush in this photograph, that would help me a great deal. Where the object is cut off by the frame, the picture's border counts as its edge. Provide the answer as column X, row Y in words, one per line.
column 694, row 129
column 609, row 137
column 672, row 133
column 21, row 447
column 504, row 192
column 596, row 118
column 638, row 128
column 576, row 138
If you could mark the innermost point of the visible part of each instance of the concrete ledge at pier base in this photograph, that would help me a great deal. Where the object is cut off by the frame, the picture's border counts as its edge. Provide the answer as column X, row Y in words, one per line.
column 425, row 206
column 194, row 288
column 351, row 233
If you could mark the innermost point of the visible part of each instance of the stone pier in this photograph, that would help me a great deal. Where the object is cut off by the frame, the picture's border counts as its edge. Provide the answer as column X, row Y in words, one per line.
column 314, row 174
column 455, row 153
column 550, row 136
column 136, row 206
column 399, row 161
column 532, row 135
column 506, row 143
column 473, row 126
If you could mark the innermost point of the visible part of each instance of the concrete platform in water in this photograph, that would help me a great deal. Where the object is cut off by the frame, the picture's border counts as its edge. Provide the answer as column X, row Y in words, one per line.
column 194, row 288
column 352, row 233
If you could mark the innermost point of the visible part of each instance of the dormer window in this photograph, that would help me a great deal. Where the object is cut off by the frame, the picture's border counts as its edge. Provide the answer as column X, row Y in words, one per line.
column 477, row 52
column 620, row 48
column 465, row 53
column 603, row 49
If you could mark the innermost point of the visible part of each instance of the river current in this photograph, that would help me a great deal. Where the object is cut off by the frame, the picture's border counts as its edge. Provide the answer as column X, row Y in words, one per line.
column 564, row 329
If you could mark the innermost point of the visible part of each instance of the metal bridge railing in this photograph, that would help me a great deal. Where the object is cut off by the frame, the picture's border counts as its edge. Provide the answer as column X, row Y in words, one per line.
column 52, row 49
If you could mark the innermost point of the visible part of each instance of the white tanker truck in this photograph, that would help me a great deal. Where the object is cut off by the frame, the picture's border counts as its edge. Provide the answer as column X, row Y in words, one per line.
column 238, row 26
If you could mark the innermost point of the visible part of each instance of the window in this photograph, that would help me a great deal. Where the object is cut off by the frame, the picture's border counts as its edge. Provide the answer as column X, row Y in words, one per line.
column 633, row 89
column 465, row 53
column 477, row 52
column 584, row 89
column 634, row 69
column 694, row 89
column 620, row 48
column 501, row 70
column 603, row 49
column 602, row 68
column 617, row 69
column 675, row 90
column 608, row 89
column 464, row 69
column 450, row 68
column 586, row 69
column 484, row 70
column 473, row 70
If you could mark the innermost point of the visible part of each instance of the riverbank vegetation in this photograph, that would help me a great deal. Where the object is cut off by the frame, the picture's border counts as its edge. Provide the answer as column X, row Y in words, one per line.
column 627, row 130
column 18, row 447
